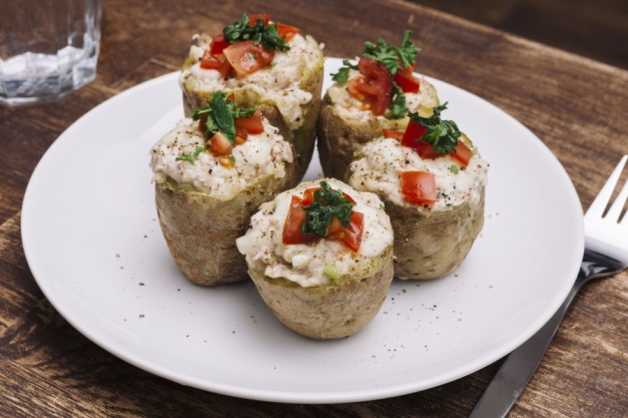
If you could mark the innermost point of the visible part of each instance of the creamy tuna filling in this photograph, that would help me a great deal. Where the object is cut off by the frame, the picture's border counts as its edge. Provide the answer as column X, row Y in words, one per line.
column 307, row 264
column 380, row 162
column 261, row 156
column 349, row 107
column 279, row 83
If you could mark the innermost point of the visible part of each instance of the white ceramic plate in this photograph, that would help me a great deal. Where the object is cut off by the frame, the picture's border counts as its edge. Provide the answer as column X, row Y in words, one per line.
column 93, row 244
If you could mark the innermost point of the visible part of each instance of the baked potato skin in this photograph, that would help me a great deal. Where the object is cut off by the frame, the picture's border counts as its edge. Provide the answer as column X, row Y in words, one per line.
column 429, row 247
column 201, row 231
column 304, row 137
column 330, row 311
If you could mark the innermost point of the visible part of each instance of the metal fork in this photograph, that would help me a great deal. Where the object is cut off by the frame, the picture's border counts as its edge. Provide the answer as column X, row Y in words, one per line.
column 606, row 254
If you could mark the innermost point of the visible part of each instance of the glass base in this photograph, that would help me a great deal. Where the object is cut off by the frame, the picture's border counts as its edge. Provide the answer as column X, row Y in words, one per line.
column 33, row 78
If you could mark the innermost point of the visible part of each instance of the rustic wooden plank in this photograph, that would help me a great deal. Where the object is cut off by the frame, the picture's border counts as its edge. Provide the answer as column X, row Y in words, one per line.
column 577, row 106
column 595, row 29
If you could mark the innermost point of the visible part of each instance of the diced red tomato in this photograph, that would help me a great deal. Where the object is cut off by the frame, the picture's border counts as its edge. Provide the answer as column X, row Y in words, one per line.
column 293, row 227
column 264, row 17
column 462, row 154
column 334, row 228
column 374, row 88
column 287, row 32
column 378, row 85
column 406, row 81
column 418, row 187
column 220, row 145
column 241, row 135
column 218, row 63
column 351, row 235
column 308, row 195
column 392, row 133
column 253, row 124
column 353, row 88
column 414, row 132
column 247, row 57
column 219, row 43
column 426, row 150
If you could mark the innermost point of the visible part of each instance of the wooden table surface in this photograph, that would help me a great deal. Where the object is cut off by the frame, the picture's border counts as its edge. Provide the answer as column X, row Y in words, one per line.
column 578, row 107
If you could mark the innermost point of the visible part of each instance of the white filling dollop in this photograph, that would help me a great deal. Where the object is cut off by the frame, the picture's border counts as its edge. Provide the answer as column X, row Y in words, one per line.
column 262, row 155
column 280, row 82
column 304, row 263
column 381, row 161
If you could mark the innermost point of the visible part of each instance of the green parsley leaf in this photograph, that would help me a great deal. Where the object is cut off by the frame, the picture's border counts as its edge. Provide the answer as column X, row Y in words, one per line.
column 383, row 53
column 193, row 156
column 398, row 107
column 328, row 204
column 261, row 33
column 220, row 115
column 442, row 134
column 393, row 58
column 237, row 29
column 342, row 75
column 271, row 40
column 407, row 51
column 454, row 168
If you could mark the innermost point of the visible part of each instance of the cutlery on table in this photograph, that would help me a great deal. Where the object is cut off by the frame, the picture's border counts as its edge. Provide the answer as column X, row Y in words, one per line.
column 606, row 254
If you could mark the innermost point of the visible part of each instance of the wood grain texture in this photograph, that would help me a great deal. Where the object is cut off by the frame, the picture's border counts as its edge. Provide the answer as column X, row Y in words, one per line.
column 594, row 29
column 578, row 107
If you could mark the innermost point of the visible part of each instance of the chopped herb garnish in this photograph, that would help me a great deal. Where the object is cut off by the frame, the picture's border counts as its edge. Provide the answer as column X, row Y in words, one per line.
column 398, row 107
column 407, row 51
column 193, row 156
column 327, row 205
column 442, row 134
column 454, row 168
column 220, row 115
column 393, row 58
column 342, row 75
column 261, row 33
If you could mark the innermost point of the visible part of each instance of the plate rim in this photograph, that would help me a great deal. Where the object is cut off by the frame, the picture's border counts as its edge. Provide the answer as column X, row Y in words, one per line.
column 323, row 397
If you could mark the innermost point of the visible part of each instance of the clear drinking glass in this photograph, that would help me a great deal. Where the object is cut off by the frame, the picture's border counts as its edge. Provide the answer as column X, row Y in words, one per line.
column 48, row 48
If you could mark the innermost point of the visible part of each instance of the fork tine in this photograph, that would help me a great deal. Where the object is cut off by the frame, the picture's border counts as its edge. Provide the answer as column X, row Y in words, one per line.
column 601, row 200
column 618, row 204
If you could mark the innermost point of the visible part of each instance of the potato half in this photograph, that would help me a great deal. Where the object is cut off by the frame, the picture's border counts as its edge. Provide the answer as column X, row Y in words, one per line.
column 201, row 229
column 430, row 242
column 432, row 245
column 321, row 290
column 327, row 312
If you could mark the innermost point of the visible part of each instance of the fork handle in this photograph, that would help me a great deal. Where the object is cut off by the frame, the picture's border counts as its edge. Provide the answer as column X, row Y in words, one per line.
column 516, row 371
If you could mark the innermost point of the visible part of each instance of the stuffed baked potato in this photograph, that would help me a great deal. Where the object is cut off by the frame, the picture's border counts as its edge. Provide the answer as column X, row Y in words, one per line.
column 433, row 189
column 207, row 185
column 323, row 277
